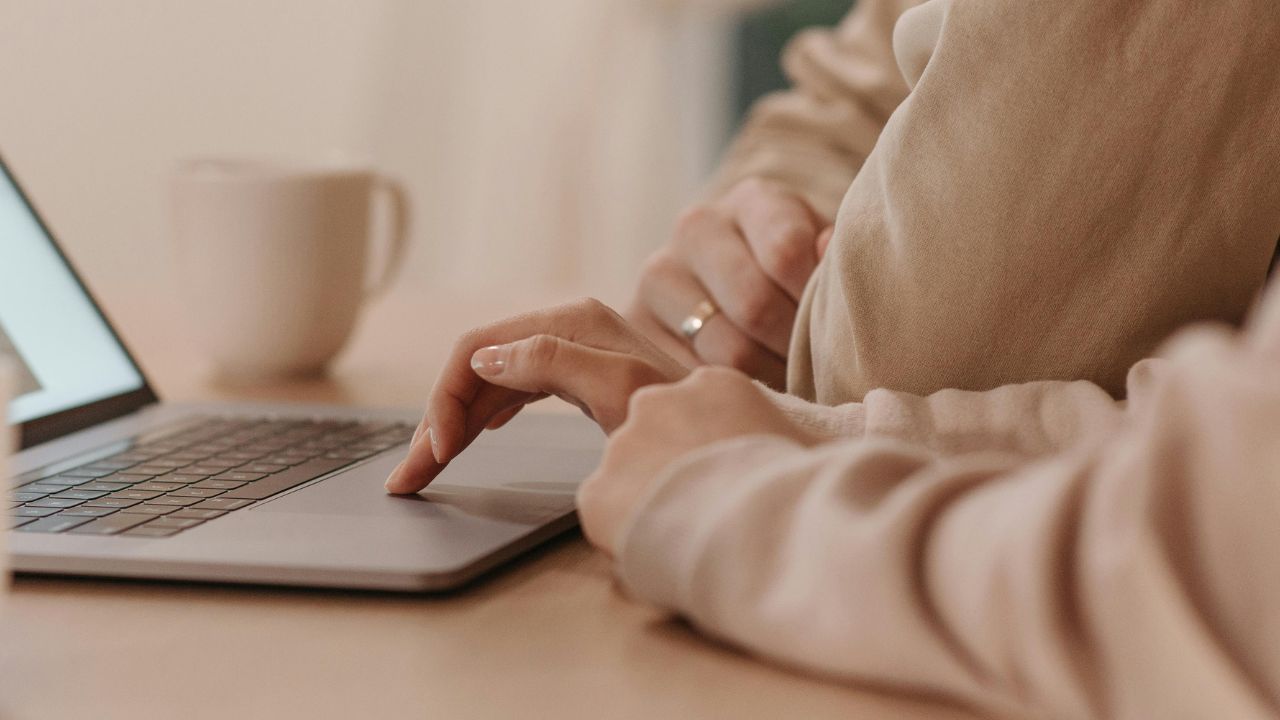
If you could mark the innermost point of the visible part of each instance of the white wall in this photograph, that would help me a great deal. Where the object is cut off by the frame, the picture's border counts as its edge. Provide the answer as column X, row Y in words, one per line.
column 547, row 144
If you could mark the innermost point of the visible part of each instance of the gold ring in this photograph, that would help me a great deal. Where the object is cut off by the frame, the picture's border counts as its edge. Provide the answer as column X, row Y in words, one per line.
column 692, row 325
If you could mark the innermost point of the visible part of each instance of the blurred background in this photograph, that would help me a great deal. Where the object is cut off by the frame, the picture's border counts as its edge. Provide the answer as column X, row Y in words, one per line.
column 547, row 145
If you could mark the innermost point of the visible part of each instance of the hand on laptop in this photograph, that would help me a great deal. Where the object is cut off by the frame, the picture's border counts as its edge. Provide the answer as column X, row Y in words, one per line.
column 583, row 352
column 750, row 254
column 665, row 423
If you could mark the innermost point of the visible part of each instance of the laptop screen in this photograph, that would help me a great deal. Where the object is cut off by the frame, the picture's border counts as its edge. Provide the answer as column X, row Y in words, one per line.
column 65, row 353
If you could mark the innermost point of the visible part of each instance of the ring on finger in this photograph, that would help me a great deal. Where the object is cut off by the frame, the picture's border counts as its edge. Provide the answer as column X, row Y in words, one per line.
column 693, row 324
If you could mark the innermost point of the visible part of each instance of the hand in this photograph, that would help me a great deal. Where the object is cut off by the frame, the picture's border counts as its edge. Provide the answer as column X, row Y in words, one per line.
column 664, row 423
column 751, row 253
column 582, row 352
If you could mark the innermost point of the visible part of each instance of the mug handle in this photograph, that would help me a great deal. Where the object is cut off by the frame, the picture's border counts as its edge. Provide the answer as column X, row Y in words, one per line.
column 398, row 202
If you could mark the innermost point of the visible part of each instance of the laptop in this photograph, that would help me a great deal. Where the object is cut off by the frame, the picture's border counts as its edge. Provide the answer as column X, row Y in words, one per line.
column 108, row 481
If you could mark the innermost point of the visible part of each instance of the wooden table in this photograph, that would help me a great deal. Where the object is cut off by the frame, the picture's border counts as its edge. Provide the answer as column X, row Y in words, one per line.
column 549, row 636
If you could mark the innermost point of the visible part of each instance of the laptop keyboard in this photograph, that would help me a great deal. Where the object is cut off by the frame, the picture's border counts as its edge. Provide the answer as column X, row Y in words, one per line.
column 160, row 486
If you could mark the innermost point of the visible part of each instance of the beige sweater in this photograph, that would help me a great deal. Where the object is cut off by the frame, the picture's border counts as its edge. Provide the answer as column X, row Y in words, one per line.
column 1064, row 185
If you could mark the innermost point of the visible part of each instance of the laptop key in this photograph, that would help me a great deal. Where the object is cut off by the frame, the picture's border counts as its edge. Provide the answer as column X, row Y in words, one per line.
column 148, row 531
column 35, row 512
column 174, row 501
column 169, row 462
column 52, row 502
column 27, row 496
column 186, row 478
column 217, row 485
column 110, row 525
column 153, row 510
column 223, row 463
column 104, row 486
column 64, row 480
column 131, row 478
column 280, row 482
column 262, row 467
column 193, row 514
column 89, row 512
column 135, row 494
column 112, row 502
column 79, row 494
column 239, row 476
column 54, row 524
column 196, row 492
column 17, row 522
column 169, row 521
column 221, row 503
column 157, row 469
column 109, row 465
column 86, row 472
column 160, row 487
column 44, row 488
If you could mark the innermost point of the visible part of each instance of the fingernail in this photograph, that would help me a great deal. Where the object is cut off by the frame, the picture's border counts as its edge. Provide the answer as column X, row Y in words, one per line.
column 490, row 360
column 435, row 444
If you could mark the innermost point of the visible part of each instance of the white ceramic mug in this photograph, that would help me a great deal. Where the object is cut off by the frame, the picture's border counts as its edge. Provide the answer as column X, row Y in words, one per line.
column 273, row 259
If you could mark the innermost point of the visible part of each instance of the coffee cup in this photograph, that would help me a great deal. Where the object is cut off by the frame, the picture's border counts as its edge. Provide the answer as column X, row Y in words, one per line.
column 273, row 259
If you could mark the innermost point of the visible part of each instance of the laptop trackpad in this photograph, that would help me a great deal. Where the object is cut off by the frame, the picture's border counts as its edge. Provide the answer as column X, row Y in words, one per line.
column 496, row 481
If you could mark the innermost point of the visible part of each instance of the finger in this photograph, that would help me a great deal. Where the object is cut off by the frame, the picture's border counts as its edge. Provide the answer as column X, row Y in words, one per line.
column 780, row 230
column 456, row 388
column 598, row 381
column 503, row 418
column 753, row 302
column 824, row 241
column 420, row 466
column 672, row 292
column 642, row 317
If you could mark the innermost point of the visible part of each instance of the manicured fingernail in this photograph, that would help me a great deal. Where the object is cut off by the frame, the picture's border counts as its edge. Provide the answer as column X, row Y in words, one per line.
column 435, row 444
column 489, row 361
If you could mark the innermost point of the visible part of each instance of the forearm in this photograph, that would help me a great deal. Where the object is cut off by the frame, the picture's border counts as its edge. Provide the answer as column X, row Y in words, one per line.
column 1128, row 577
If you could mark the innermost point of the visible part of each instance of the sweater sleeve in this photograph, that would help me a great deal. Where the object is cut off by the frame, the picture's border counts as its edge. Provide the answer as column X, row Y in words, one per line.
column 814, row 137
column 1029, row 419
column 1130, row 575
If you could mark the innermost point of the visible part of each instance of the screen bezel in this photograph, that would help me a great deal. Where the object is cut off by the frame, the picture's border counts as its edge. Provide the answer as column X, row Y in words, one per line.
column 64, row 422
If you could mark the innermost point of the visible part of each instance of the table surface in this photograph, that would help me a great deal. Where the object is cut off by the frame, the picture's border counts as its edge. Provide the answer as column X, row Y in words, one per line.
column 549, row 635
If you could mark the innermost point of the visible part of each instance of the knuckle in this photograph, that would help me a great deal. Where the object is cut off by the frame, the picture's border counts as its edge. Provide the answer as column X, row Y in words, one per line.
column 788, row 249
column 473, row 338
column 582, row 304
column 692, row 219
column 540, row 350
column 657, row 272
column 591, row 308
column 755, row 187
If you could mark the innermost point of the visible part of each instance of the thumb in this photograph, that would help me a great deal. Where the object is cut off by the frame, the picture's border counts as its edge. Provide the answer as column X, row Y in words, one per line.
column 600, row 382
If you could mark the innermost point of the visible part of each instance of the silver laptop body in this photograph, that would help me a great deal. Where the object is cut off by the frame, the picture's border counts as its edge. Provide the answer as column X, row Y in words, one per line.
column 510, row 491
